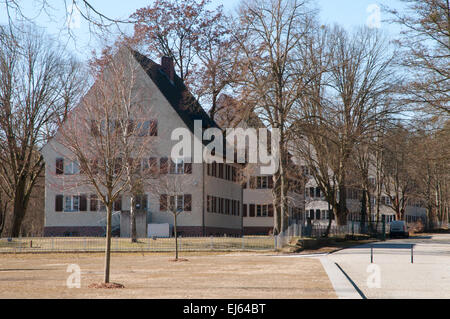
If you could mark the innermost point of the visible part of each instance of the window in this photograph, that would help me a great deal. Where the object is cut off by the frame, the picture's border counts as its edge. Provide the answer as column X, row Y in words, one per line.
column 74, row 203
column 179, row 166
column 317, row 191
column 244, row 210
column 71, row 168
column 147, row 128
column 141, row 202
column 311, row 192
column 264, row 210
column 264, row 182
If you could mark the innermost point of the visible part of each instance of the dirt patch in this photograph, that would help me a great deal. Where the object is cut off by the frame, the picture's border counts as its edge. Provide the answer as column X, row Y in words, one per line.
column 109, row 285
column 225, row 276
column 179, row 259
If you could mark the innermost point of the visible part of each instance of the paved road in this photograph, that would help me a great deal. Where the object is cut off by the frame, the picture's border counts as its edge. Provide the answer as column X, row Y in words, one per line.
column 427, row 277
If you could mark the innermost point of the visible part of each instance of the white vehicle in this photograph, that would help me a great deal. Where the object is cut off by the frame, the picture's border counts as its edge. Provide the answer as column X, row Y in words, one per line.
column 398, row 228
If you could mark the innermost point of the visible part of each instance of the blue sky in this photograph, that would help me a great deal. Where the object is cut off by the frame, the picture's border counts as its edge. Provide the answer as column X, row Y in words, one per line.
column 348, row 13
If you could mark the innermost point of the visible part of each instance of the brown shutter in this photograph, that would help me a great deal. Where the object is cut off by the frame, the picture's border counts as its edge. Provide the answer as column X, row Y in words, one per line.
column 144, row 202
column 154, row 128
column 118, row 203
column 153, row 166
column 164, row 165
column 253, row 182
column 188, row 168
column 220, row 170
column 93, row 203
column 270, row 181
column 83, row 203
column 163, row 202
column 270, row 210
column 59, row 166
column 187, row 202
column 252, row 210
column 59, row 203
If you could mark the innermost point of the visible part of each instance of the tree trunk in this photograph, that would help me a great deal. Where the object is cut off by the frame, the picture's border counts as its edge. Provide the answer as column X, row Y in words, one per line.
column 108, row 242
column 341, row 218
column 19, row 209
column 176, row 235
column 133, row 219
column 363, row 211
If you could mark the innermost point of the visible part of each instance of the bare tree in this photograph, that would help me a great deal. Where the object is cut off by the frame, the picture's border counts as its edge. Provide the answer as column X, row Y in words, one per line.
column 344, row 107
column 426, row 43
column 170, row 187
column 98, row 22
column 396, row 167
column 269, row 34
column 39, row 83
column 107, row 130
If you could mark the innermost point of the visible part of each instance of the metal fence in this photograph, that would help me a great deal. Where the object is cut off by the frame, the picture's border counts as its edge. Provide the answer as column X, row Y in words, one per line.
column 352, row 228
column 97, row 244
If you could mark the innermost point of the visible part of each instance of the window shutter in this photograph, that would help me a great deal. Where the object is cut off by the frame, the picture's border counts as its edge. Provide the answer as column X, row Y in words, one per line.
column 164, row 165
column 144, row 202
column 270, row 210
column 83, row 203
column 269, row 181
column 59, row 203
column 252, row 210
column 187, row 202
column 163, row 202
column 188, row 168
column 153, row 166
column 244, row 210
column 118, row 203
column 93, row 203
column 59, row 166
column 220, row 170
column 154, row 128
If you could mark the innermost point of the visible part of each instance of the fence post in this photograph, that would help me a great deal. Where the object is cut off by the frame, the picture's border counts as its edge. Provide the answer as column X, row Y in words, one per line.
column 371, row 254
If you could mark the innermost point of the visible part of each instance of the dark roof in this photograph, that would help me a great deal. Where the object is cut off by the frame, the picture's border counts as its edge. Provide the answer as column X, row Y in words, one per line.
column 179, row 97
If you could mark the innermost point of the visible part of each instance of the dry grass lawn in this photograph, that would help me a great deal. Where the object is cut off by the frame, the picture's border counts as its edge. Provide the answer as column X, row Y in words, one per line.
column 152, row 275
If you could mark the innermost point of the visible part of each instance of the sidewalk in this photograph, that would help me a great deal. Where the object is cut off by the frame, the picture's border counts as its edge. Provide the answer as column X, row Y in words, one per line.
column 427, row 277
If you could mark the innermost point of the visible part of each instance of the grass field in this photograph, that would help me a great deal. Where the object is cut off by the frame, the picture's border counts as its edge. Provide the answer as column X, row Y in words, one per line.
column 155, row 275
column 89, row 244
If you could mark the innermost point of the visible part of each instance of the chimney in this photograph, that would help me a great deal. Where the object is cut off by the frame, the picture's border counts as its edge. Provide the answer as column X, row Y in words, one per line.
column 167, row 67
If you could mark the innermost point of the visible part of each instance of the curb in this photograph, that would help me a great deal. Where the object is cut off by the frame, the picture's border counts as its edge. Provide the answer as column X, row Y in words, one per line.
column 344, row 287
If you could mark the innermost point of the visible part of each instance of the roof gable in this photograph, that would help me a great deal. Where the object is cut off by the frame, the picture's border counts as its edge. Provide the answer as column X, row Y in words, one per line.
column 176, row 93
